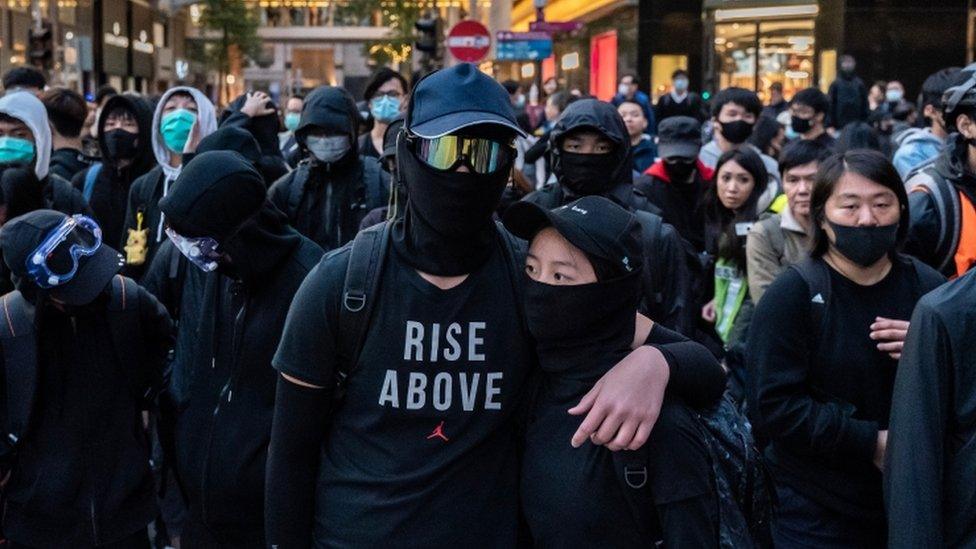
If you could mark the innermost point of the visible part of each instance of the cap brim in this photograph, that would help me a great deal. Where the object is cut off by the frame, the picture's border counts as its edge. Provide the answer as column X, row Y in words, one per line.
column 525, row 220
column 678, row 148
column 94, row 274
column 455, row 121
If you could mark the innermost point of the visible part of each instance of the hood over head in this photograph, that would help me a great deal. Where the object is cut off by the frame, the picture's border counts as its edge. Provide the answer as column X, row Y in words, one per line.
column 332, row 109
column 206, row 122
column 603, row 118
column 263, row 128
column 27, row 108
column 231, row 138
column 143, row 114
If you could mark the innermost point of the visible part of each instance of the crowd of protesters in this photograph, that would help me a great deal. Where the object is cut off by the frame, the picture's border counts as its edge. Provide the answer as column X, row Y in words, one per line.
column 482, row 314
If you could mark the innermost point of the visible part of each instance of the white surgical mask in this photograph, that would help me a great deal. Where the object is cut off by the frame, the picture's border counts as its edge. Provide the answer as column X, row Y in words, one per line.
column 623, row 89
column 893, row 96
column 328, row 149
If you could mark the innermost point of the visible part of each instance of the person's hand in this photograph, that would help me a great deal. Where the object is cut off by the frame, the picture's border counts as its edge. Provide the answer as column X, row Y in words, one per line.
column 890, row 334
column 708, row 311
column 193, row 141
column 880, row 449
column 623, row 406
column 257, row 104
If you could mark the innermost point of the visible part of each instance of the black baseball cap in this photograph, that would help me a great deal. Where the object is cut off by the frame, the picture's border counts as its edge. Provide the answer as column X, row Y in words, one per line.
column 678, row 136
column 593, row 224
column 22, row 235
column 456, row 98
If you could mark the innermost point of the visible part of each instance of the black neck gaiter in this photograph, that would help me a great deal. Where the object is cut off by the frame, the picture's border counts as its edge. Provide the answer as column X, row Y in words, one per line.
column 447, row 228
column 582, row 331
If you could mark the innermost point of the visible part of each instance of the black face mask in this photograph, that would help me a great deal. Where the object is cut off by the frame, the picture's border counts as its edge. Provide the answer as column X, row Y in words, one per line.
column 864, row 245
column 448, row 229
column 121, row 144
column 800, row 125
column 679, row 170
column 587, row 174
column 575, row 327
column 737, row 131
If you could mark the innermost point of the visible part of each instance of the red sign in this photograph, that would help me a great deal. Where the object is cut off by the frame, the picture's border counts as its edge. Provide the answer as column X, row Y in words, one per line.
column 469, row 41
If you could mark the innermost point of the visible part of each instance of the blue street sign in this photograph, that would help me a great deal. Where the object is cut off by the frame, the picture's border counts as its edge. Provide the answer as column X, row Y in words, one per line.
column 523, row 46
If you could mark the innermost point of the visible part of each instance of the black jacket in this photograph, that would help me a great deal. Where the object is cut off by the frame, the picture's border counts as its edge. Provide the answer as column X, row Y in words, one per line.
column 271, row 163
column 848, row 101
column 327, row 202
column 222, row 385
column 81, row 476
column 679, row 204
column 144, row 196
column 66, row 163
column 110, row 195
column 930, row 463
column 691, row 106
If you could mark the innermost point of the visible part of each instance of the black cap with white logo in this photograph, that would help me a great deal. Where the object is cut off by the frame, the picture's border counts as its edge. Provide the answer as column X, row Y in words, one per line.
column 593, row 224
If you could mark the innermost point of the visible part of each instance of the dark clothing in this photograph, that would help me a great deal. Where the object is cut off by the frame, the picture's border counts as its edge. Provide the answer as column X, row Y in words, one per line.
column 271, row 163
column 691, row 105
column 81, row 476
column 144, row 195
column 222, row 385
column 366, row 147
column 138, row 540
column 679, row 203
column 772, row 110
column 848, row 101
column 61, row 196
column 292, row 152
column 67, row 162
column 802, row 523
column 645, row 152
column 930, row 454
column 826, row 140
column 822, row 392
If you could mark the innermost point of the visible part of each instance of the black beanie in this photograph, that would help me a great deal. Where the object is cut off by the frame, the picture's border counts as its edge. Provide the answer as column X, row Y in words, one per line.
column 216, row 192
column 231, row 138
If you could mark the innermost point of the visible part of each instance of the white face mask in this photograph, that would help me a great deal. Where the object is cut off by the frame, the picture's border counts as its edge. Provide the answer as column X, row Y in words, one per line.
column 328, row 149
column 623, row 89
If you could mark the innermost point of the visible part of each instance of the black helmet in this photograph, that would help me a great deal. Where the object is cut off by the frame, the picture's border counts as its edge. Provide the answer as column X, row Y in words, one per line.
column 960, row 98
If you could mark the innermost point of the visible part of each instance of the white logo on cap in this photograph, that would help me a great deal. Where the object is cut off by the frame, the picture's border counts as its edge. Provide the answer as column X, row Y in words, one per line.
column 580, row 210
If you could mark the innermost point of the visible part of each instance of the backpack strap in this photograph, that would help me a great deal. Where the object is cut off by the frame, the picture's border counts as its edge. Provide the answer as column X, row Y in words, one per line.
column 296, row 191
column 90, row 177
column 359, row 293
column 127, row 337
column 631, row 469
column 817, row 276
column 947, row 205
column 651, row 226
column 18, row 339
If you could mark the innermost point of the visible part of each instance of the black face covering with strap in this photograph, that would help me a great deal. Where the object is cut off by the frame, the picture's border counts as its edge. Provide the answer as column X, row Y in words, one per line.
column 582, row 331
column 447, row 229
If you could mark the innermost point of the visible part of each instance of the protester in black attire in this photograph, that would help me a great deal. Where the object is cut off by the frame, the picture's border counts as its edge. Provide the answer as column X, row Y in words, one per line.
column 80, row 472
column 591, row 155
column 331, row 191
column 808, row 116
column 231, row 306
column 257, row 114
column 679, row 101
column 929, row 473
column 584, row 263
column 823, row 353
column 848, row 96
column 125, row 142
column 427, row 422
column 67, row 112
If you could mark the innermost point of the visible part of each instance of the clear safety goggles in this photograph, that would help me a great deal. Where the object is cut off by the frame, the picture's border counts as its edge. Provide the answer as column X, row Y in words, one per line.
column 482, row 155
column 55, row 261
column 201, row 251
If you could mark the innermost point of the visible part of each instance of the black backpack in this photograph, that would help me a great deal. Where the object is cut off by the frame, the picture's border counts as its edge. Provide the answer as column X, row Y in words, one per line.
column 18, row 343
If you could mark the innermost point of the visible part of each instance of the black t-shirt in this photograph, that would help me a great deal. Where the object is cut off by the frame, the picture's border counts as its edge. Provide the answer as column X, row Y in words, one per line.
column 822, row 406
column 421, row 450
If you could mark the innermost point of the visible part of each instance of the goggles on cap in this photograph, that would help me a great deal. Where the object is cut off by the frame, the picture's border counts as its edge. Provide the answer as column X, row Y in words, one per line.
column 55, row 261
column 201, row 251
column 482, row 155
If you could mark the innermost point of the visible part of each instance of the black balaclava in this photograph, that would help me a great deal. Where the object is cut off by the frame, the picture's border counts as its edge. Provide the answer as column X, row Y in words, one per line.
column 119, row 144
column 582, row 331
column 447, row 229
column 591, row 174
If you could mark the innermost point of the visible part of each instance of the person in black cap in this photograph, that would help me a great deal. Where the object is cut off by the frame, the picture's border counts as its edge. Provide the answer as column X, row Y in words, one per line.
column 420, row 445
column 330, row 192
column 88, row 348
column 246, row 264
column 584, row 263
column 591, row 155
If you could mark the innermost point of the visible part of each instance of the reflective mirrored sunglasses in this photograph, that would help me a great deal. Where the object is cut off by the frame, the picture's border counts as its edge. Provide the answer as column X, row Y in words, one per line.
column 481, row 154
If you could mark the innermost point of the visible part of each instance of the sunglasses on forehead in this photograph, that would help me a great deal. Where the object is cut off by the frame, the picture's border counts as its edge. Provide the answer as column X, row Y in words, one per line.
column 481, row 154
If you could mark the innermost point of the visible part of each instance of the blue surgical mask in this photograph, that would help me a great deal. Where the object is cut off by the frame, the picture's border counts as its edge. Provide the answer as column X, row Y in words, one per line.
column 292, row 120
column 328, row 149
column 894, row 96
column 14, row 150
column 175, row 127
column 681, row 85
column 385, row 108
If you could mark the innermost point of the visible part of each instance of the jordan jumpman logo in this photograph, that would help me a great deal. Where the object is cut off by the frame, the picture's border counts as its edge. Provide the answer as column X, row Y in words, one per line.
column 438, row 432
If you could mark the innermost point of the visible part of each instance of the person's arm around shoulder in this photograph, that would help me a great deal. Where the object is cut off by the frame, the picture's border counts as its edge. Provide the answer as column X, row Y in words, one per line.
column 306, row 359
column 694, row 374
column 762, row 261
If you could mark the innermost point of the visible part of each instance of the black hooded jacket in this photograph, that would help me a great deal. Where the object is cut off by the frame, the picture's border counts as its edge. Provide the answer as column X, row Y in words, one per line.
column 67, row 162
column 327, row 202
column 110, row 194
column 666, row 281
column 222, row 385
column 271, row 162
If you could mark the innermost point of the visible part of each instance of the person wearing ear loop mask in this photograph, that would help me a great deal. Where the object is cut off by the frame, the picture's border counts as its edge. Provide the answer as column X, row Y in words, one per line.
column 581, row 296
column 823, row 352
column 182, row 118
column 386, row 95
column 734, row 113
column 332, row 190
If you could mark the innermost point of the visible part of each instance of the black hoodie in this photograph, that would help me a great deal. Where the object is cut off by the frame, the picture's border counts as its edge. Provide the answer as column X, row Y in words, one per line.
column 68, row 162
column 265, row 128
column 223, row 385
column 327, row 202
column 110, row 195
column 666, row 281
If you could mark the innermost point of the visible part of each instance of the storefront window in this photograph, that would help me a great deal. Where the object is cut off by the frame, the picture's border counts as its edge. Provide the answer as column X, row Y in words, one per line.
column 662, row 67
